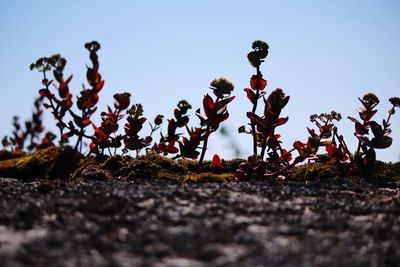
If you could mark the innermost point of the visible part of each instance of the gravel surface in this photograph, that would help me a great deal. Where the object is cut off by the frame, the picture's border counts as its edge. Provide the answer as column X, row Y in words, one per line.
column 166, row 223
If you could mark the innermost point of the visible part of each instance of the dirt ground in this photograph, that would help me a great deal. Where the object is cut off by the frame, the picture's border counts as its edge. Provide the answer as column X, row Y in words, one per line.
column 148, row 222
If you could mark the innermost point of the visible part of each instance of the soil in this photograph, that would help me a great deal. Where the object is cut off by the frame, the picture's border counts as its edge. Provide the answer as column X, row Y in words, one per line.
column 109, row 213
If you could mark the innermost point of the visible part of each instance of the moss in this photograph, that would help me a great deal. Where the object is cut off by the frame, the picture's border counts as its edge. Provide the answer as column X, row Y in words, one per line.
column 210, row 177
column 313, row 171
column 84, row 165
column 193, row 166
column 64, row 162
column 159, row 167
column 5, row 154
column 156, row 166
column 151, row 166
column 52, row 162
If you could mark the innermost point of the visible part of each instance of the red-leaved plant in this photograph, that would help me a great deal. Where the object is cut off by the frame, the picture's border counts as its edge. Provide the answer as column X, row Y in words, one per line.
column 215, row 112
column 61, row 104
column 326, row 137
column 105, row 136
column 31, row 131
column 263, row 127
column 135, row 121
column 168, row 143
column 269, row 158
column 365, row 156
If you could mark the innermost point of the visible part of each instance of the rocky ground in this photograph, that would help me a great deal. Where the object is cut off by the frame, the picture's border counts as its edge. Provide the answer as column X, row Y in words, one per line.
column 149, row 222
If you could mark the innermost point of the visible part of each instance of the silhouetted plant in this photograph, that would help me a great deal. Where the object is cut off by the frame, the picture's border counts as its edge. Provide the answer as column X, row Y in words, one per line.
column 270, row 160
column 62, row 104
column 263, row 127
column 215, row 112
column 326, row 135
column 31, row 131
column 105, row 136
column 365, row 155
column 135, row 121
column 279, row 159
column 168, row 143
column 257, row 83
column 156, row 125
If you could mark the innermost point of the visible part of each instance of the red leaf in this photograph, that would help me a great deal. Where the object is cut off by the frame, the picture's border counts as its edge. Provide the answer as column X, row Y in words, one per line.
column 360, row 129
column 90, row 75
column 92, row 147
column 68, row 102
column 100, row 85
column 366, row 115
column 148, row 139
column 86, row 122
column 142, row 120
column 65, row 137
column 353, row 119
column 330, row 149
column 239, row 174
column 46, row 106
column 44, row 92
column 286, row 156
column 280, row 121
column 222, row 103
column 68, row 79
column 208, row 105
column 301, row 149
column 250, row 95
column 254, row 118
column 98, row 78
column 257, row 82
column 162, row 147
column 216, row 161
column 63, row 89
column 171, row 148
column 312, row 133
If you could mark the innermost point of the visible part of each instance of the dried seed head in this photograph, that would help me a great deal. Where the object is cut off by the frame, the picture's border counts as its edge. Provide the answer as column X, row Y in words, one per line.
column 395, row 101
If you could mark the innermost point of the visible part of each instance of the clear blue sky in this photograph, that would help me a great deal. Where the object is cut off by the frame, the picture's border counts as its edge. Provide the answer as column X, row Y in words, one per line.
column 324, row 54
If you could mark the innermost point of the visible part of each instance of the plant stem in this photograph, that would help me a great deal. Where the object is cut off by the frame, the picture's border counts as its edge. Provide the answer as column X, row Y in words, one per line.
column 387, row 121
column 81, row 133
column 262, row 153
column 341, row 140
column 274, row 174
column 56, row 115
column 359, row 141
column 203, row 151
column 253, row 126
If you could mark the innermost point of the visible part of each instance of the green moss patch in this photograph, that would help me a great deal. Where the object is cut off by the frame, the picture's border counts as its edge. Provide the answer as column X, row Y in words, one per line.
column 52, row 162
